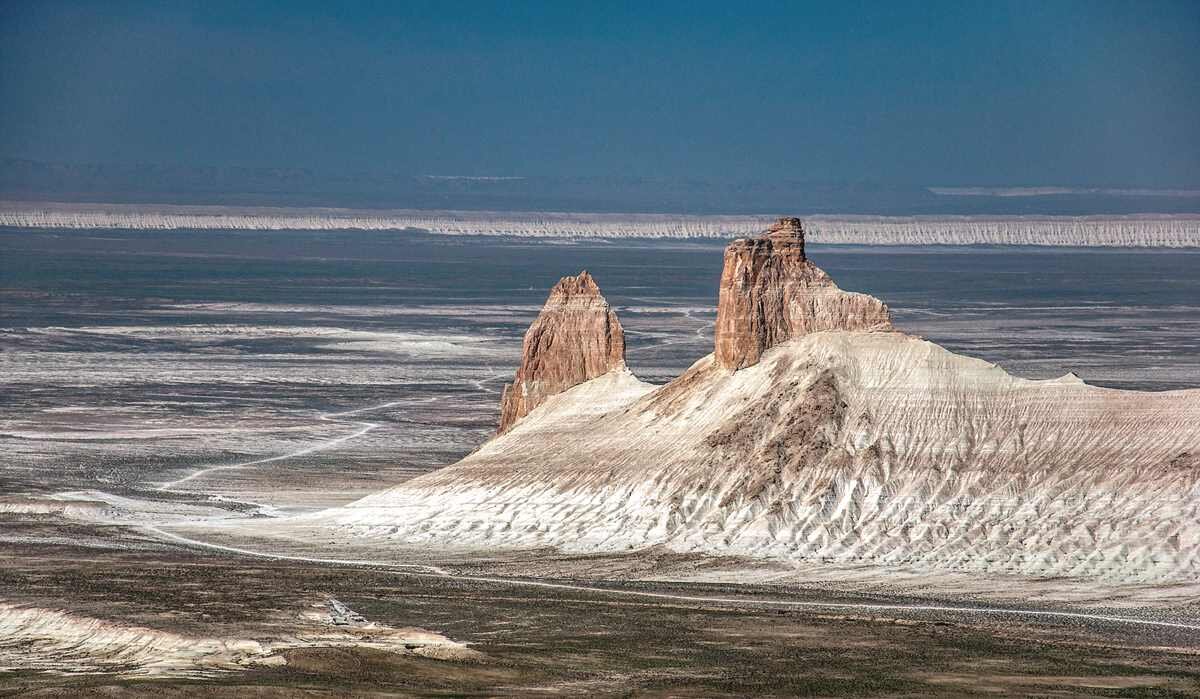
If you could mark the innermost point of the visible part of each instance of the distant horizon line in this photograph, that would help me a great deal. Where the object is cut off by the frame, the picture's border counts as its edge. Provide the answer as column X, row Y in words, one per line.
column 974, row 189
column 1059, row 190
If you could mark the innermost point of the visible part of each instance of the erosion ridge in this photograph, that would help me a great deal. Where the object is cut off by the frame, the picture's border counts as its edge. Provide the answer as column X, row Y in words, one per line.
column 822, row 435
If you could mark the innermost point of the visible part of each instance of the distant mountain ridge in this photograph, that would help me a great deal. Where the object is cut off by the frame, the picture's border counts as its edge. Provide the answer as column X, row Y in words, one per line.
column 1145, row 230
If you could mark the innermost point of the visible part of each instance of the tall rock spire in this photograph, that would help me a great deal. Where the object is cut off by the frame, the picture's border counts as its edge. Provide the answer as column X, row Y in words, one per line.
column 771, row 293
column 574, row 339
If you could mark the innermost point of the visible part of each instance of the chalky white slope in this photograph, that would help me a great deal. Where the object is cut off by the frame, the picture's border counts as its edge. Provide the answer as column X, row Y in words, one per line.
column 855, row 444
column 839, row 446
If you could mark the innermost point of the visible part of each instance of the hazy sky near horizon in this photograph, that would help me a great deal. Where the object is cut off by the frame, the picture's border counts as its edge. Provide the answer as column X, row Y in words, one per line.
column 935, row 93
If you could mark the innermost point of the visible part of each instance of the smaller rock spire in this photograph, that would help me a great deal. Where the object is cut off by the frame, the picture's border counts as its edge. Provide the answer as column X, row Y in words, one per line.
column 574, row 339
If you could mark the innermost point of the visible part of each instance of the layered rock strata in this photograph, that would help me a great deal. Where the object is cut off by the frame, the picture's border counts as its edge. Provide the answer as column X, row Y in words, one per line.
column 575, row 338
column 770, row 293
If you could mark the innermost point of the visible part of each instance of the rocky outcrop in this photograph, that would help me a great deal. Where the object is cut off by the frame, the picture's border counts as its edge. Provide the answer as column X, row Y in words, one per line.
column 770, row 293
column 575, row 338
column 846, row 447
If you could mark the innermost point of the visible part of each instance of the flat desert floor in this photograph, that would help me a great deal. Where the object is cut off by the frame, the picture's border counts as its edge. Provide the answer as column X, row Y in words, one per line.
column 163, row 392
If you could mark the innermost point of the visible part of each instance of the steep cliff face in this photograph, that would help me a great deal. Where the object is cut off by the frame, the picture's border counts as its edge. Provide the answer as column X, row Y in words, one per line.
column 575, row 338
column 770, row 293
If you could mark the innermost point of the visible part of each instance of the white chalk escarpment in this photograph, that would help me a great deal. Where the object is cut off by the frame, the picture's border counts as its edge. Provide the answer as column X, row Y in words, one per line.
column 854, row 444
column 1133, row 230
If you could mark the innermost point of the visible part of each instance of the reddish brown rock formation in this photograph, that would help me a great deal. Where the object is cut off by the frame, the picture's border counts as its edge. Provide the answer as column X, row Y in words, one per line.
column 771, row 293
column 574, row 339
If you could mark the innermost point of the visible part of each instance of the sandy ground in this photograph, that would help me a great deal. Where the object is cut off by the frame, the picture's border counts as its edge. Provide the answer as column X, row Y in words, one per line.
column 556, row 640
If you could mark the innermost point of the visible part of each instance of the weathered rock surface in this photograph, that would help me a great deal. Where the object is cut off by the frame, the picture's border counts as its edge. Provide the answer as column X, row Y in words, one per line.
column 854, row 448
column 575, row 338
column 832, row 444
column 770, row 293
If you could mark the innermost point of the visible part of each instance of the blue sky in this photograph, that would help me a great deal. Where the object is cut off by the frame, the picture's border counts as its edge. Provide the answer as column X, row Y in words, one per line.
column 959, row 93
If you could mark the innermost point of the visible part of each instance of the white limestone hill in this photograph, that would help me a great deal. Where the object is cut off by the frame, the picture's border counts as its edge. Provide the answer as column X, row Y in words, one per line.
column 838, row 446
column 817, row 434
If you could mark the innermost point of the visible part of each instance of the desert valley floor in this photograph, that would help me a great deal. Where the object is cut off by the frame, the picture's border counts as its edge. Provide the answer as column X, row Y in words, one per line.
column 158, row 384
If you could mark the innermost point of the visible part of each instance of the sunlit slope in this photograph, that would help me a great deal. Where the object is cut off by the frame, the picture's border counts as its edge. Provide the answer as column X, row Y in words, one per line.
column 838, row 446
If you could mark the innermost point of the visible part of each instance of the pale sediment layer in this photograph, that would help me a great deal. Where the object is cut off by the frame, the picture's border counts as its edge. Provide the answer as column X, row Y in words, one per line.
column 90, row 645
column 1136, row 230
